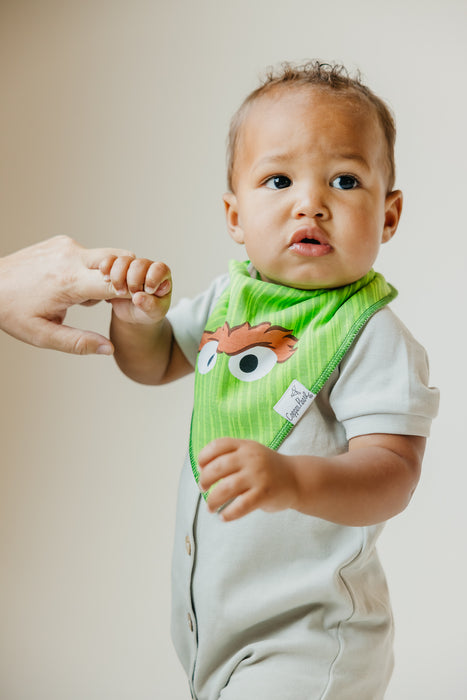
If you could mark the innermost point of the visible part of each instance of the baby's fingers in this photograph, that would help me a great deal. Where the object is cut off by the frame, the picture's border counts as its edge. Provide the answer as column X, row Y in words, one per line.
column 136, row 274
column 216, row 448
column 115, row 270
column 238, row 507
column 105, row 265
column 150, row 308
column 158, row 279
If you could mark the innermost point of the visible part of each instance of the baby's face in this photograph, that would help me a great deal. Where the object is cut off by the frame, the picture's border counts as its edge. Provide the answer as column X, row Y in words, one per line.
column 310, row 179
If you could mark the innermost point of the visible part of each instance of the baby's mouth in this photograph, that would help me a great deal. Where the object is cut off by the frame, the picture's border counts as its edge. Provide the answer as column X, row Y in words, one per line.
column 314, row 241
column 309, row 242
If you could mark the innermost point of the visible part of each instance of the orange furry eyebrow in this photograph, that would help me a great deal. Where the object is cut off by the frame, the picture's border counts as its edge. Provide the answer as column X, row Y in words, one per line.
column 235, row 340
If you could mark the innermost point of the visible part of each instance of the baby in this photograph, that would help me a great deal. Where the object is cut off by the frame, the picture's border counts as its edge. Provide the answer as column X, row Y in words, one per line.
column 311, row 407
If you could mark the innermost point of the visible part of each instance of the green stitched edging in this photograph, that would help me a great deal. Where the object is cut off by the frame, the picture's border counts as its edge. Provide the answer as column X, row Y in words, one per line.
column 193, row 461
column 335, row 360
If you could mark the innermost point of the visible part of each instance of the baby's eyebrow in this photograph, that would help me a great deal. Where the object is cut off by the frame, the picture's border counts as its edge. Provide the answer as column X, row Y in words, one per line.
column 275, row 158
column 353, row 156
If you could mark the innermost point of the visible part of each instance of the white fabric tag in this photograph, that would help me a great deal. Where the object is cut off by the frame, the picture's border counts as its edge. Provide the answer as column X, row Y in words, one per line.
column 294, row 402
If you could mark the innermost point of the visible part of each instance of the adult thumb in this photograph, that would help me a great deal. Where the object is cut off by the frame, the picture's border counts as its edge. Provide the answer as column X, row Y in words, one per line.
column 75, row 341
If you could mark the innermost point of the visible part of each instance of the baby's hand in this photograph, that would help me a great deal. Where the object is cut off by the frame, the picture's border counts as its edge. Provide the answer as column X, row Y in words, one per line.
column 144, row 288
column 252, row 476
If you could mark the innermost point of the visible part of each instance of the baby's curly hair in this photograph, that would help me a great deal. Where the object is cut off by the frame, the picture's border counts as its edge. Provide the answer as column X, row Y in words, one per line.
column 326, row 76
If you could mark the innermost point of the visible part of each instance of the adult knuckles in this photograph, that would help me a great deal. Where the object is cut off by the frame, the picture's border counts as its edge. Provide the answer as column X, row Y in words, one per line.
column 64, row 240
column 81, row 345
column 65, row 246
column 51, row 336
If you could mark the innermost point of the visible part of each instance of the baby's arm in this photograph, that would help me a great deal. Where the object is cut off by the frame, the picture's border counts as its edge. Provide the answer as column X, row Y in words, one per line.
column 370, row 483
column 145, row 349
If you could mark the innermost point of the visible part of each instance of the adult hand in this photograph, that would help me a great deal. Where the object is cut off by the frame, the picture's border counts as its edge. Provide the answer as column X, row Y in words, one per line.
column 37, row 286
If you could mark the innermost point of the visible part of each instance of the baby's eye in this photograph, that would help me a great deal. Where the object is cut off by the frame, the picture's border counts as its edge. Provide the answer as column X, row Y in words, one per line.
column 278, row 182
column 345, row 182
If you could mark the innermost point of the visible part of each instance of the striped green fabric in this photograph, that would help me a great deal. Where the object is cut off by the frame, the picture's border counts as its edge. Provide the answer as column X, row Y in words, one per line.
column 263, row 338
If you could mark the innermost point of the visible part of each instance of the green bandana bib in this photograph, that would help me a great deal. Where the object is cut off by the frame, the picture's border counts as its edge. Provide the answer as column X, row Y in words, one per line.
column 268, row 350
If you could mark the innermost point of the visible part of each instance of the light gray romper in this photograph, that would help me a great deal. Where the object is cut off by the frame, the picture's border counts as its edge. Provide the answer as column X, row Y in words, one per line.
column 286, row 606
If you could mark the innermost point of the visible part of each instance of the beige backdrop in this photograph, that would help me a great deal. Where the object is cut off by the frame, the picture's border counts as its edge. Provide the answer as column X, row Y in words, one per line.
column 113, row 118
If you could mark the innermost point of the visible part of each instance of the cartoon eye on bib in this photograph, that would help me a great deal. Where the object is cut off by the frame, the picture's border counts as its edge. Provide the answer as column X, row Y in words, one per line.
column 253, row 363
column 253, row 350
column 207, row 357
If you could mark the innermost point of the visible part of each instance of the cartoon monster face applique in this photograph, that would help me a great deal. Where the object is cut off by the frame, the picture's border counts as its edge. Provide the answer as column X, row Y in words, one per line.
column 266, row 352
column 253, row 350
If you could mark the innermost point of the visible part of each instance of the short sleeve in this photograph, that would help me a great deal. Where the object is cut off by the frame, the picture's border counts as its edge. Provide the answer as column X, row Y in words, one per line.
column 189, row 317
column 383, row 382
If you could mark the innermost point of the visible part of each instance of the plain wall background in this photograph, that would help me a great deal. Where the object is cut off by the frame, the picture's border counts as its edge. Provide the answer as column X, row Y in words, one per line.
column 113, row 121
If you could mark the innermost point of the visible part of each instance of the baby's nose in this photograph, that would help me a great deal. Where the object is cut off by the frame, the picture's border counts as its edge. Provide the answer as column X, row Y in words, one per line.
column 311, row 203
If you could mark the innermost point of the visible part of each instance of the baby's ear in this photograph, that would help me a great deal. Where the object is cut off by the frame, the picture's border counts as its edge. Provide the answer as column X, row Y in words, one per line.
column 231, row 215
column 392, row 214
